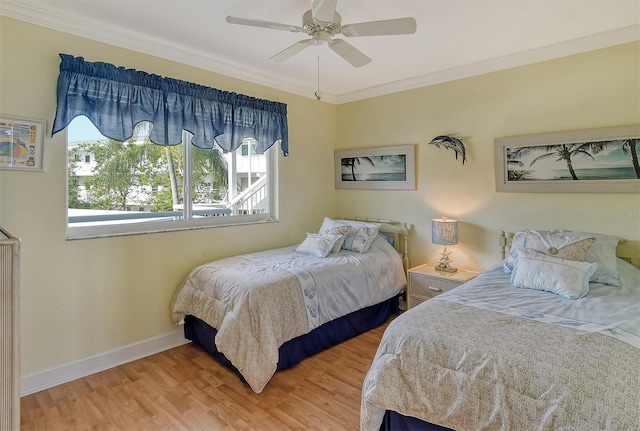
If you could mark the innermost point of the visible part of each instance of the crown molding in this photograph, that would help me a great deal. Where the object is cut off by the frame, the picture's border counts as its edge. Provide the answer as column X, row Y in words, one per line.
column 576, row 46
column 140, row 42
column 132, row 40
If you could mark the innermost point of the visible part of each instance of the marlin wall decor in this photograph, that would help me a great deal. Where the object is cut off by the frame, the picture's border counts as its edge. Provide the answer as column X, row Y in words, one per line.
column 451, row 143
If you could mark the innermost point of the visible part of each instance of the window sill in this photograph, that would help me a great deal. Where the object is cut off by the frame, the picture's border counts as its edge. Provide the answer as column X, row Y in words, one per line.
column 115, row 230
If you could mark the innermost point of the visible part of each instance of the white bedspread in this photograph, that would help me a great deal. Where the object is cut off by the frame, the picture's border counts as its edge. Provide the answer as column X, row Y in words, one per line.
column 489, row 356
column 259, row 301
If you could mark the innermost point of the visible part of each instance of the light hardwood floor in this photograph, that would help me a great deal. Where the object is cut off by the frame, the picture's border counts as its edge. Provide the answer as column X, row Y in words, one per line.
column 184, row 389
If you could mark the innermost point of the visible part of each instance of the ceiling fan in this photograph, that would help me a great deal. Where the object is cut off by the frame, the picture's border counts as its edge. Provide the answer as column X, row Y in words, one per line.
column 322, row 23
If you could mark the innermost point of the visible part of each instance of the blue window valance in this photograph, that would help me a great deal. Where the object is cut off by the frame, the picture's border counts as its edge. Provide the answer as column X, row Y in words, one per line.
column 115, row 99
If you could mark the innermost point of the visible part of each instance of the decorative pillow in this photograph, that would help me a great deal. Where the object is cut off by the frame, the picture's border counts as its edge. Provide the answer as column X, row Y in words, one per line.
column 602, row 251
column 332, row 227
column 567, row 278
column 576, row 251
column 317, row 245
column 361, row 235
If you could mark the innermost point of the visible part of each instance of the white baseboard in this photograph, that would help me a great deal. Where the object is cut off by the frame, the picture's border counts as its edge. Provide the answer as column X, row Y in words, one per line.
column 45, row 379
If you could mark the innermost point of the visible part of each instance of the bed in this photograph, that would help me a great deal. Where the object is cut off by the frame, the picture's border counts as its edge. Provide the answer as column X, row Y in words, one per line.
column 521, row 346
column 262, row 312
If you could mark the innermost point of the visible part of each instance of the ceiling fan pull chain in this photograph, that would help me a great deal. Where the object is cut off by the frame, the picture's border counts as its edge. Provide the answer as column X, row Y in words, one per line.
column 318, row 92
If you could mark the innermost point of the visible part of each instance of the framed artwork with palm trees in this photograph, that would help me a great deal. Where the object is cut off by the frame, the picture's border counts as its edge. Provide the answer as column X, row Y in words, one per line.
column 390, row 168
column 594, row 160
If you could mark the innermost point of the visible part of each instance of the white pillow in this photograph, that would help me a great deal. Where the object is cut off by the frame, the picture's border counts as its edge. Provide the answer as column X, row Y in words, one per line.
column 564, row 277
column 602, row 252
column 317, row 245
column 361, row 235
column 517, row 243
column 332, row 227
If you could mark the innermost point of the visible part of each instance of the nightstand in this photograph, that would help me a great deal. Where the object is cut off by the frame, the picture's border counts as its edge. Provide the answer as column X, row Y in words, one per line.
column 425, row 282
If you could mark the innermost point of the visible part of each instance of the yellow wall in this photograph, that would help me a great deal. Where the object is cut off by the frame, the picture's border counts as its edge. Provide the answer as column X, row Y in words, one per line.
column 81, row 298
column 592, row 90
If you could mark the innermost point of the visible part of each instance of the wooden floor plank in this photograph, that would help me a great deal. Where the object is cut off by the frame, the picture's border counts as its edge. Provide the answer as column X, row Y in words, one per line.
column 185, row 389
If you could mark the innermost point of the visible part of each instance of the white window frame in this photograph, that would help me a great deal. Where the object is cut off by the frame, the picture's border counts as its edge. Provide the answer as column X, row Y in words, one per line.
column 188, row 222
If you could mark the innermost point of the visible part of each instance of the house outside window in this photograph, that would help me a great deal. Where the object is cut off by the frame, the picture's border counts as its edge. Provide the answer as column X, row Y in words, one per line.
column 136, row 186
column 248, row 148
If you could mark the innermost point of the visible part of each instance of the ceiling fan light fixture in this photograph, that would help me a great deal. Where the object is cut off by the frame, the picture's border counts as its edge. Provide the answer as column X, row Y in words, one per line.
column 319, row 38
column 315, row 24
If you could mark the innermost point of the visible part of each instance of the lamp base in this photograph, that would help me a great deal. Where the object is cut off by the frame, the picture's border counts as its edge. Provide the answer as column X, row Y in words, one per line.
column 445, row 268
column 445, row 260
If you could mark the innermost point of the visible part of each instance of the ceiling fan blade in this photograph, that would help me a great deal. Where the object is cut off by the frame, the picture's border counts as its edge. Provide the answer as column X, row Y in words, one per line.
column 380, row 28
column 323, row 10
column 289, row 52
column 264, row 24
column 349, row 53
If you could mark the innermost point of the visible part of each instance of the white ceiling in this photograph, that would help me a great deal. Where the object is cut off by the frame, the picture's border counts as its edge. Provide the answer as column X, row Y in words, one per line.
column 454, row 38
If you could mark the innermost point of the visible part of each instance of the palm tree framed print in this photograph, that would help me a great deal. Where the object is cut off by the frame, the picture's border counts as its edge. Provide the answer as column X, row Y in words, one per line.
column 390, row 168
column 593, row 160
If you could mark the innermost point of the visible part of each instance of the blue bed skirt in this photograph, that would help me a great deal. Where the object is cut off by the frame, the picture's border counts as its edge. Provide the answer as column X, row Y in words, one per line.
column 396, row 422
column 295, row 350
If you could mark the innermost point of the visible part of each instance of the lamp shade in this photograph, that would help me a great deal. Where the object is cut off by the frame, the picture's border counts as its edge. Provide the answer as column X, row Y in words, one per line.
column 444, row 231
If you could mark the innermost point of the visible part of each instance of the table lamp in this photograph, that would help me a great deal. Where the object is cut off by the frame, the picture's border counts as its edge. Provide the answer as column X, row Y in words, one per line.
column 444, row 232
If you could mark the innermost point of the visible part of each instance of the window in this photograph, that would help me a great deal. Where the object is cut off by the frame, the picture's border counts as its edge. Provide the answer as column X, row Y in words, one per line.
column 136, row 186
column 249, row 146
column 151, row 175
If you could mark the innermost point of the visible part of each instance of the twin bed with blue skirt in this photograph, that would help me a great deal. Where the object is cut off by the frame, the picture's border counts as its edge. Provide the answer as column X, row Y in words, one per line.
column 548, row 339
column 262, row 312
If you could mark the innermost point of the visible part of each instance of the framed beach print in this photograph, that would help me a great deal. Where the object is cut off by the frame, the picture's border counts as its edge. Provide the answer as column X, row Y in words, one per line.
column 586, row 161
column 21, row 143
column 386, row 168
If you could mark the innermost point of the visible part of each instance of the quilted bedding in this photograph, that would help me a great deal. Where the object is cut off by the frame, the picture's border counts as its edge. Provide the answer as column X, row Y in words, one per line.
column 259, row 301
column 473, row 362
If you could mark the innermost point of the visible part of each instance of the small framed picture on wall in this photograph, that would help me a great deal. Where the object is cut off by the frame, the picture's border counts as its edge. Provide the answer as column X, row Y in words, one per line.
column 21, row 143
